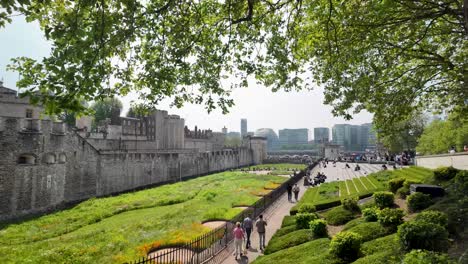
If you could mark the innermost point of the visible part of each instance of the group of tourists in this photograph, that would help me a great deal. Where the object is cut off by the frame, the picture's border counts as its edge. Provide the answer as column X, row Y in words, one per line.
column 243, row 231
column 293, row 189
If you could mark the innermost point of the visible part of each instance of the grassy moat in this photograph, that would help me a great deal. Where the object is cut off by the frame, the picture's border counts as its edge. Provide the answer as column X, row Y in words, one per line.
column 123, row 228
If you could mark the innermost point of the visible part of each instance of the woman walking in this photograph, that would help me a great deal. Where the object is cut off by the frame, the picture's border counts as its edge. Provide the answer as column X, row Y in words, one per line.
column 238, row 239
column 296, row 192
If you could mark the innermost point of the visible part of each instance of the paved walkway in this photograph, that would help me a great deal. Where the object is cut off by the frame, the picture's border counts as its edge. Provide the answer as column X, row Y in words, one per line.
column 274, row 217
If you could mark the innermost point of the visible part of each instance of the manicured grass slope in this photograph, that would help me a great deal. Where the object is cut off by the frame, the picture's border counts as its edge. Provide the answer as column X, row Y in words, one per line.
column 122, row 228
column 363, row 186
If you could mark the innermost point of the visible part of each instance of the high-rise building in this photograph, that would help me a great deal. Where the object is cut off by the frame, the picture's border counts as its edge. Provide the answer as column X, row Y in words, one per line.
column 293, row 136
column 243, row 127
column 354, row 137
column 321, row 134
column 270, row 135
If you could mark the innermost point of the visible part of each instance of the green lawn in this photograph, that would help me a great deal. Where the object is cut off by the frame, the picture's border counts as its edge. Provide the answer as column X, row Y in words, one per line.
column 125, row 227
column 280, row 166
column 331, row 192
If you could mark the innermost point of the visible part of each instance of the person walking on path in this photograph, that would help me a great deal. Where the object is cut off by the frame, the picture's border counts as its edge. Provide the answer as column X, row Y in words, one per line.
column 289, row 192
column 238, row 239
column 247, row 224
column 296, row 192
column 260, row 225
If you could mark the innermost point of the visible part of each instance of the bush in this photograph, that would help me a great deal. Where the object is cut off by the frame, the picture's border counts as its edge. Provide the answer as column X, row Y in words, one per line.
column 445, row 173
column 391, row 217
column 319, row 228
column 426, row 257
column 289, row 240
column 351, row 204
column 371, row 214
column 306, row 208
column 422, row 235
column 346, row 245
column 383, row 199
column 403, row 192
column 461, row 182
column 409, row 182
column 395, row 184
column 369, row 231
column 435, row 217
column 418, row 201
column 338, row 216
column 302, row 220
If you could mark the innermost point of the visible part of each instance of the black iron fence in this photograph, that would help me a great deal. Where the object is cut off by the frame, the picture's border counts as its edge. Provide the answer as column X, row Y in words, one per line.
column 210, row 244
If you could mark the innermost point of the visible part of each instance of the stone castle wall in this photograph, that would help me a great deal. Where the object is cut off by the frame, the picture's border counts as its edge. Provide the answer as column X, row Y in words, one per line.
column 44, row 165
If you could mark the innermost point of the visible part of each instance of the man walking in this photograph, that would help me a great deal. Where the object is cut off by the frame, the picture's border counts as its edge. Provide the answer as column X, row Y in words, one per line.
column 289, row 192
column 296, row 192
column 260, row 225
column 247, row 224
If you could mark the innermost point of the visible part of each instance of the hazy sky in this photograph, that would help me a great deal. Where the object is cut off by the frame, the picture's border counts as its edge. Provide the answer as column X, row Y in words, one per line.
column 258, row 104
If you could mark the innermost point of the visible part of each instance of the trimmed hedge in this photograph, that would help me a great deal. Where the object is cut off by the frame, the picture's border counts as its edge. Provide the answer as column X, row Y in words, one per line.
column 351, row 204
column 419, row 256
column 288, row 220
column 461, row 182
column 370, row 230
column 445, row 173
column 289, row 240
column 435, row 217
column 371, row 214
column 418, row 201
column 319, row 228
column 284, row 231
column 354, row 223
column 338, row 216
column 391, row 218
column 383, row 199
column 395, row 184
column 303, row 220
column 346, row 245
column 422, row 235
column 307, row 208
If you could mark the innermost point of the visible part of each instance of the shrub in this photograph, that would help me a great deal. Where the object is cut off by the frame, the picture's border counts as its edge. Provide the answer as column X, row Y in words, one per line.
column 369, row 231
column 418, row 201
column 409, row 182
column 302, row 220
column 422, row 235
column 383, row 199
column 391, row 217
column 338, row 216
column 351, row 204
column 346, row 245
column 395, row 184
column 371, row 214
column 403, row 192
column 306, row 208
column 294, row 210
column 319, row 228
column 435, row 217
column 461, row 182
column 426, row 257
column 445, row 173
column 289, row 240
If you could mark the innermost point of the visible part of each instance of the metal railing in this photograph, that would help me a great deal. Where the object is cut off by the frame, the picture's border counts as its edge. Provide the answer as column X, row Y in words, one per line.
column 210, row 244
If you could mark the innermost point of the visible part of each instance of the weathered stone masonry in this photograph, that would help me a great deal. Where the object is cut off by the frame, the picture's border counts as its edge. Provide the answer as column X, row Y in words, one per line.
column 52, row 165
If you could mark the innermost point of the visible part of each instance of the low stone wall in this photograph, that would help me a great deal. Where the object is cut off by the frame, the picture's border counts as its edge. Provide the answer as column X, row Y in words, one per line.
column 456, row 160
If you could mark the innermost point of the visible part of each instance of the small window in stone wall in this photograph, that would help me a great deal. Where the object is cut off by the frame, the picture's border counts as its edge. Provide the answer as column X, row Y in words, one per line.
column 62, row 158
column 27, row 159
column 49, row 158
column 29, row 113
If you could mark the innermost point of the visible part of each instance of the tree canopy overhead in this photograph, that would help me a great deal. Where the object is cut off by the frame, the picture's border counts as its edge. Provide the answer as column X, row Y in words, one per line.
column 390, row 57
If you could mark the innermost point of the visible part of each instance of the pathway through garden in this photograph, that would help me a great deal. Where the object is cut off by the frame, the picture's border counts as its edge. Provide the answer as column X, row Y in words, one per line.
column 274, row 216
